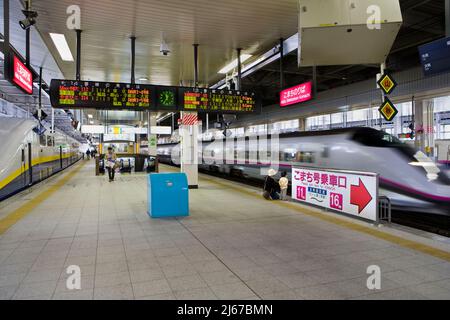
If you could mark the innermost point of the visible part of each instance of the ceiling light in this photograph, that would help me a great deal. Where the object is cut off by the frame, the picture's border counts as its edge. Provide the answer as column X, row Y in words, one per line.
column 143, row 79
column 90, row 116
column 61, row 45
column 234, row 64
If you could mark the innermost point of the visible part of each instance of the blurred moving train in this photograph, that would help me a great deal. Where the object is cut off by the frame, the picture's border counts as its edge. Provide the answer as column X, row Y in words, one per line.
column 409, row 178
column 27, row 157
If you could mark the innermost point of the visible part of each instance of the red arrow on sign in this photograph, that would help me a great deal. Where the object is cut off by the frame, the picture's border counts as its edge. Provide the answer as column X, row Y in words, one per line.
column 359, row 196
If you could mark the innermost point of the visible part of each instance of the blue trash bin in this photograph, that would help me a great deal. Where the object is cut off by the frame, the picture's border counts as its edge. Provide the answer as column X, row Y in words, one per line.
column 168, row 195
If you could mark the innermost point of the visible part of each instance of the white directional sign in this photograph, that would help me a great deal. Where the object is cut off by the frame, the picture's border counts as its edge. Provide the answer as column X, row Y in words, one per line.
column 354, row 193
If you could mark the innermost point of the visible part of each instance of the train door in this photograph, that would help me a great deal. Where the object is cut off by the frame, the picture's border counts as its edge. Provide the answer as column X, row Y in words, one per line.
column 23, row 164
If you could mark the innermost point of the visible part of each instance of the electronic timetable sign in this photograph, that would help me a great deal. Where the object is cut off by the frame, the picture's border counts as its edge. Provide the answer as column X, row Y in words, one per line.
column 228, row 101
column 72, row 94
column 68, row 94
column 194, row 99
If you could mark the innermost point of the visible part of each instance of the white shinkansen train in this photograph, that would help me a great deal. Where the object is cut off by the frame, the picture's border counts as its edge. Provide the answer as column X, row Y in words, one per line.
column 27, row 157
column 410, row 179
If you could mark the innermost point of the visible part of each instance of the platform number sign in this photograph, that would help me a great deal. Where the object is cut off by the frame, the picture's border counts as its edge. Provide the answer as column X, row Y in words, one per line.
column 387, row 83
column 388, row 110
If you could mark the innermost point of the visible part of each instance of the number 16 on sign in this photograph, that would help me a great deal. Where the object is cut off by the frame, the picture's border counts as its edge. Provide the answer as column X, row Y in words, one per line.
column 336, row 201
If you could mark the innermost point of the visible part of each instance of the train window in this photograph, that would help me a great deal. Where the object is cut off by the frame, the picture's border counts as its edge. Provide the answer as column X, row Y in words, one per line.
column 43, row 140
column 288, row 156
column 50, row 141
column 326, row 152
column 305, row 157
column 374, row 138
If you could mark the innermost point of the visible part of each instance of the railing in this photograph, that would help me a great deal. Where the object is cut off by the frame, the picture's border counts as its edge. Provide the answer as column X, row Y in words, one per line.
column 384, row 209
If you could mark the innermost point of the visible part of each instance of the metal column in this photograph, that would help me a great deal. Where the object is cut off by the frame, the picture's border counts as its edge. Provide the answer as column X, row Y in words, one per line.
column 133, row 57
column 78, row 73
column 27, row 37
column 447, row 18
column 314, row 71
column 195, row 65
column 6, row 34
column 40, row 94
column 238, row 87
column 281, row 64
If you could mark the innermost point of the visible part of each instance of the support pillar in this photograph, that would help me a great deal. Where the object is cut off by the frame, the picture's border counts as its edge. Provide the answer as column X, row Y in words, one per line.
column 189, row 147
column 152, row 143
column 424, row 126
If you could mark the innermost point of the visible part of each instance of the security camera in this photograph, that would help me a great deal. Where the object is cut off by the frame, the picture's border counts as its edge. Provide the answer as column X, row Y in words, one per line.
column 29, row 20
column 164, row 49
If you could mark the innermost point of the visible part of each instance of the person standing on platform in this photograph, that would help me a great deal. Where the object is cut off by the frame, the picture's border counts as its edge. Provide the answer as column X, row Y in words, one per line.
column 111, row 163
column 88, row 154
column 284, row 182
column 271, row 187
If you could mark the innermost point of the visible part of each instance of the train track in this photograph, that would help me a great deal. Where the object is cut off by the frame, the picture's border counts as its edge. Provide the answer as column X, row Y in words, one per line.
column 436, row 224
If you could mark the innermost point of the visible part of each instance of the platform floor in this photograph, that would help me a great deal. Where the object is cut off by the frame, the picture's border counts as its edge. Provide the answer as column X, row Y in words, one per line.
column 235, row 245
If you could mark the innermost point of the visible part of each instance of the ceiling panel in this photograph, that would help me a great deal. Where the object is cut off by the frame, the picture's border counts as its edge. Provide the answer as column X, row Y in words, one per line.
column 219, row 28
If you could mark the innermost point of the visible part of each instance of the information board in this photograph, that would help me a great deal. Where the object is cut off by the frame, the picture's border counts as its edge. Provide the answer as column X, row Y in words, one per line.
column 351, row 193
column 297, row 94
column 194, row 99
column 435, row 56
column 72, row 94
column 228, row 101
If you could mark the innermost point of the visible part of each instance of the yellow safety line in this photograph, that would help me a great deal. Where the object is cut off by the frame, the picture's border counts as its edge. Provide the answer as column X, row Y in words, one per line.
column 410, row 244
column 27, row 207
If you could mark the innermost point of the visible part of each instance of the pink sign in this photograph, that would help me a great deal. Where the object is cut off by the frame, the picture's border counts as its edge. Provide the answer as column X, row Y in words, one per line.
column 22, row 76
column 297, row 94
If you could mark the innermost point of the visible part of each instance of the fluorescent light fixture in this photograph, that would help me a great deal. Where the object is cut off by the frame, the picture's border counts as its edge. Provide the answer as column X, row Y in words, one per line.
column 143, row 79
column 61, row 45
column 90, row 116
column 233, row 64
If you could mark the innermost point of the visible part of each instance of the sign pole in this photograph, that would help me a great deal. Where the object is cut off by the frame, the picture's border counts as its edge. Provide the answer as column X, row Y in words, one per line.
column 281, row 64
column 6, row 37
column 239, row 68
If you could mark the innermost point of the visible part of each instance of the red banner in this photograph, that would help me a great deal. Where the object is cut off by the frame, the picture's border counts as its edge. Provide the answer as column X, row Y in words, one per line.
column 297, row 94
column 22, row 76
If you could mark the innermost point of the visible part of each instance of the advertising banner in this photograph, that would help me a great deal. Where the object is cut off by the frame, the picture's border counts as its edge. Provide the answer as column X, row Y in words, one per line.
column 353, row 193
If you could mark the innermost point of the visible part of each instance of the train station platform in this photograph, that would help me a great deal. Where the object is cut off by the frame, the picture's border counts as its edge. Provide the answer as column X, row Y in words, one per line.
column 234, row 245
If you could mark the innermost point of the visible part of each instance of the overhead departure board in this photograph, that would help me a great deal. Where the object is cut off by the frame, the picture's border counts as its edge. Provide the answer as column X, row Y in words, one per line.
column 70, row 94
column 228, row 101
column 194, row 99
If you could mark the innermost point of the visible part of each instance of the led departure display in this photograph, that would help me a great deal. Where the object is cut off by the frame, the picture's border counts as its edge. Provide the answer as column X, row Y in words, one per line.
column 71, row 94
column 227, row 101
column 192, row 99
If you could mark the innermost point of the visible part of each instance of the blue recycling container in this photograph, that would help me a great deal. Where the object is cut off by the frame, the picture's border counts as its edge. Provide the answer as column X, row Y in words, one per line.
column 168, row 195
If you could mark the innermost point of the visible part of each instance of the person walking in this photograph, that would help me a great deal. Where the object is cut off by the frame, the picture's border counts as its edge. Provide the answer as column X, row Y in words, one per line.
column 284, row 183
column 111, row 163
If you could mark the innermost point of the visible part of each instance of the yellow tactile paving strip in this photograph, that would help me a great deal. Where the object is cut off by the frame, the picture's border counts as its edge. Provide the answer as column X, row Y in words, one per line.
column 28, row 207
